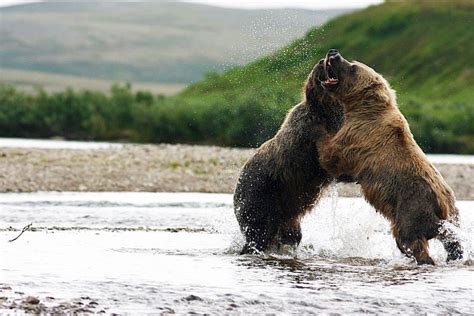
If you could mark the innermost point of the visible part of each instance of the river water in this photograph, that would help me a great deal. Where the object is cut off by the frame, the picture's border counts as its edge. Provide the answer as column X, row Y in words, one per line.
column 178, row 252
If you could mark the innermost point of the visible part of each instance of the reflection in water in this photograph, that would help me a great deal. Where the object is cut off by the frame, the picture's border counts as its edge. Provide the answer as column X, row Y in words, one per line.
column 353, row 269
column 165, row 253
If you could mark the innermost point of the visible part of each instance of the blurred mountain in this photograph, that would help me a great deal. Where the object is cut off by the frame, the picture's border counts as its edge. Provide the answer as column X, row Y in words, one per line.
column 155, row 41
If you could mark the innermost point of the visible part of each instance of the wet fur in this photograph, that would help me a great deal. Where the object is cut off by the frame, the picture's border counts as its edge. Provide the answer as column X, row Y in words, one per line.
column 375, row 147
column 283, row 180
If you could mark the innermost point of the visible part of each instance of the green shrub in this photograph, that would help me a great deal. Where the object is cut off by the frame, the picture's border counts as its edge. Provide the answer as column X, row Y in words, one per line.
column 247, row 118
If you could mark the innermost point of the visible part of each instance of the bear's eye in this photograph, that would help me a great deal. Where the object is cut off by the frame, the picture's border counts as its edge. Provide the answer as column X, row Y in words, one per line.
column 353, row 68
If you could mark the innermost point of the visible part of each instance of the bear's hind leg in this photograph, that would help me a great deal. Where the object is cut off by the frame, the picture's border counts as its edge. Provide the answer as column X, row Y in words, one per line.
column 259, row 236
column 417, row 249
column 289, row 235
column 414, row 226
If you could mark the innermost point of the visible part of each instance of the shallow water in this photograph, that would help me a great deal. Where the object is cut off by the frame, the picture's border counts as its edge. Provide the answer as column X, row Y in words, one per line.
column 54, row 144
column 159, row 252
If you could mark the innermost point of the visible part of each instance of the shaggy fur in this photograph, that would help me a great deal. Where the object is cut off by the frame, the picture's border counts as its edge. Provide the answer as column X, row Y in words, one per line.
column 283, row 179
column 375, row 147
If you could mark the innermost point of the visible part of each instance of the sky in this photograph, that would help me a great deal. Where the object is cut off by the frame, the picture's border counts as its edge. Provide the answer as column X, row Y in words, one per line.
column 259, row 4
column 306, row 4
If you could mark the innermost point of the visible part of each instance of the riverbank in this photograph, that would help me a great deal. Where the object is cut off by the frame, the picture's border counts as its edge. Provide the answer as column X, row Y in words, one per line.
column 153, row 168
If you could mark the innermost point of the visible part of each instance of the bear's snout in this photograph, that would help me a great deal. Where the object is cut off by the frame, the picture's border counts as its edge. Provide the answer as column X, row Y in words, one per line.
column 332, row 52
column 333, row 56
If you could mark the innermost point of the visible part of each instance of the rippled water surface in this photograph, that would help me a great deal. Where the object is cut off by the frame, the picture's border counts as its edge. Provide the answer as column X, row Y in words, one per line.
column 176, row 252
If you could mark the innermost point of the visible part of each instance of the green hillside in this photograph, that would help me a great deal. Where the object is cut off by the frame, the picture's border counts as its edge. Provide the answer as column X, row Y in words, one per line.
column 424, row 49
column 416, row 46
column 150, row 41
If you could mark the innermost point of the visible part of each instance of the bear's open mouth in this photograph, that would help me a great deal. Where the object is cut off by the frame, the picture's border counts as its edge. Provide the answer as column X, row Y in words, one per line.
column 330, row 74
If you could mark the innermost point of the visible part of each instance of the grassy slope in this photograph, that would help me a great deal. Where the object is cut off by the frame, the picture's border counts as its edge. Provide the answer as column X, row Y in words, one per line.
column 420, row 48
column 158, row 41
column 425, row 50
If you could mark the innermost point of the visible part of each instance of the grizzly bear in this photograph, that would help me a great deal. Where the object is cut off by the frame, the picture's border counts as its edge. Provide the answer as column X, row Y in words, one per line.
column 283, row 179
column 376, row 148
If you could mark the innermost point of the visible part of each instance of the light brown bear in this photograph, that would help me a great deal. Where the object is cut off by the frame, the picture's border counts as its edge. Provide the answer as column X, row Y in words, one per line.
column 375, row 147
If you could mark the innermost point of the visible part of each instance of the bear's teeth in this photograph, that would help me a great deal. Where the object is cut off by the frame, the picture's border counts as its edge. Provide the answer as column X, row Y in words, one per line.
column 331, row 81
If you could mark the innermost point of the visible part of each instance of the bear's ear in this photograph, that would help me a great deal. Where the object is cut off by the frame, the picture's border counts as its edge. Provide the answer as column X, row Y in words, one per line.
column 310, row 92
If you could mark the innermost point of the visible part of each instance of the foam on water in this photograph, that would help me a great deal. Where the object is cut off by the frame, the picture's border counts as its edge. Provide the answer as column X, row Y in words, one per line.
column 355, row 229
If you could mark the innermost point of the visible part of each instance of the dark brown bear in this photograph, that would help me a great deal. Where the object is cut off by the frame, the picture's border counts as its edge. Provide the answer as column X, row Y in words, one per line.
column 376, row 148
column 283, row 179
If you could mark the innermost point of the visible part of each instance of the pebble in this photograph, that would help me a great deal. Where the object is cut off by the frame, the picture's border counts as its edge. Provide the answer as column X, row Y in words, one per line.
column 32, row 300
column 193, row 298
